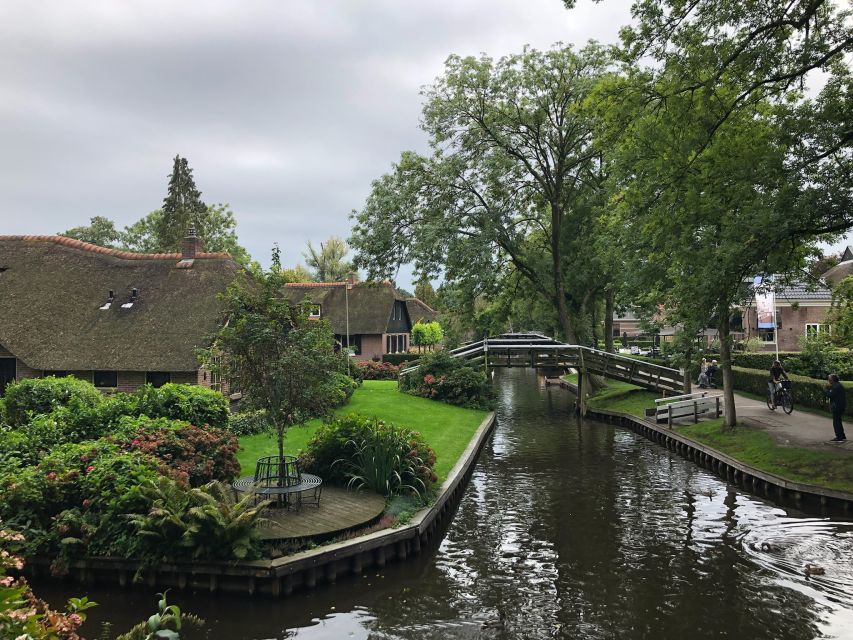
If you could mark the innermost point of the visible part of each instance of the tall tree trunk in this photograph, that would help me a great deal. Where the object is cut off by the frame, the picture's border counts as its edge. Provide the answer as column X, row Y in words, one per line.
column 557, row 268
column 730, row 419
column 609, row 299
column 688, row 377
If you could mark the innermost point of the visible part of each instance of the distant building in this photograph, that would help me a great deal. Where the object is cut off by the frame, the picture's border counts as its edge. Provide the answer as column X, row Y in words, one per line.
column 114, row 318
column 373, row 318
column 800, row 311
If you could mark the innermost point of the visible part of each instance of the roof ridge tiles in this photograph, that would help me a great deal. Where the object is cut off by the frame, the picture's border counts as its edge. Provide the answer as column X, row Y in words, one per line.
column 116, row 253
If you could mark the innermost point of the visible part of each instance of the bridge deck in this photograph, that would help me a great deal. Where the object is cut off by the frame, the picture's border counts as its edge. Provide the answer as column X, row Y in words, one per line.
column 534, row 350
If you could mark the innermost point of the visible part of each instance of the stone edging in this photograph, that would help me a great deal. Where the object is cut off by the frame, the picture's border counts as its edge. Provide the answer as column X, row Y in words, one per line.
column 761, row 483
column 301, row 570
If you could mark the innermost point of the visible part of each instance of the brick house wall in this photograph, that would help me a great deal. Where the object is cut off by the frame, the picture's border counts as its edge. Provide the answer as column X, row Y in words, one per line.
column 372, row 346
column 793, row 324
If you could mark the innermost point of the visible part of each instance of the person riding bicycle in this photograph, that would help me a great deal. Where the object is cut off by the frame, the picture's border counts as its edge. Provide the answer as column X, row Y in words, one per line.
column 774, row 384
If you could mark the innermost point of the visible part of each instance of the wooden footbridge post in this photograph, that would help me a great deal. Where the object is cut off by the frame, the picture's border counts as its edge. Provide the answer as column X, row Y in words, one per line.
column 582, row 383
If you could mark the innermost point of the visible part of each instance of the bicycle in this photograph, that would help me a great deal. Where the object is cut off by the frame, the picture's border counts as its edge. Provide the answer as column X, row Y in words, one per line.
column 783, row 398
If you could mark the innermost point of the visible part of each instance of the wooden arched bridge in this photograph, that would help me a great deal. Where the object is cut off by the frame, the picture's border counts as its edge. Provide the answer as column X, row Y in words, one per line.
column 542, row 352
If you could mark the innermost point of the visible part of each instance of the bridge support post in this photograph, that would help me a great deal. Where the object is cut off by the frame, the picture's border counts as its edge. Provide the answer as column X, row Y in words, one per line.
column 583, row 383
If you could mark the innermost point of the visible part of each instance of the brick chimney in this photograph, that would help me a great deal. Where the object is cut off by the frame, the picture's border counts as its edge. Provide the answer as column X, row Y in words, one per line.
column 191, row 245
column 350, row 280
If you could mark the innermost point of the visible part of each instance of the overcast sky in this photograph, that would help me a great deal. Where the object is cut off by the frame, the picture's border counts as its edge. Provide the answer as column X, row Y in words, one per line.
column 285, row 109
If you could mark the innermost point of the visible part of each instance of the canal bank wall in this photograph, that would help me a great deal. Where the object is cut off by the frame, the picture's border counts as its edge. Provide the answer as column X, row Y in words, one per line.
column 761, row 483
column 304, row 570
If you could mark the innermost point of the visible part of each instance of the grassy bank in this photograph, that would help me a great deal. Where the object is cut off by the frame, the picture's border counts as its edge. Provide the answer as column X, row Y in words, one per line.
column 447, row 429
column 746, row 444
column 757, row 449
column 619, row 396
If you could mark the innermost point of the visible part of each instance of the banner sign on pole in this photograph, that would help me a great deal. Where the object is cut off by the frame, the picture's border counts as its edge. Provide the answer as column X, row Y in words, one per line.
column 765, row 307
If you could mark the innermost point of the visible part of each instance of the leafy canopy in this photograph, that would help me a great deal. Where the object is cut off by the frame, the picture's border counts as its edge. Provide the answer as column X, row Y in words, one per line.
column 283, row 361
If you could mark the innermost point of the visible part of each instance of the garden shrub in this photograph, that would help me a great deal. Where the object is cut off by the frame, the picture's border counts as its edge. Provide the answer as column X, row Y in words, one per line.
column 197, row 405
column 370, row 453
column 75, row 499
column 329, row 444
column 188, row 453
column 371, row 370
column 399, row 358
column 346, row 386
column 201, row 523
column 249, row 423
column 33, row 396
column 442, row 377
column 819, row 358
column 808, row 392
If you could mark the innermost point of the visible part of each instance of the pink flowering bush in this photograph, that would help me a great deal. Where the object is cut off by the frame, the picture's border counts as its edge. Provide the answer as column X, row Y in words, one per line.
column 371, row 370
column 441, row 377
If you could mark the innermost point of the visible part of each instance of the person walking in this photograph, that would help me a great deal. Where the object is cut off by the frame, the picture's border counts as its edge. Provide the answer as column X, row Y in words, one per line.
column 703, row 374
column 837, row 404
column 711, row 372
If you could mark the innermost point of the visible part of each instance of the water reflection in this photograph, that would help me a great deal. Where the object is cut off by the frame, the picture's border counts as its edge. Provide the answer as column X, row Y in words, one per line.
column 574, row 530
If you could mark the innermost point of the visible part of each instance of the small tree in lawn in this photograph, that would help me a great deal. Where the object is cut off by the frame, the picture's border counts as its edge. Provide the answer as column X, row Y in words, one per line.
column 435, row 334
column 271, row 351
column 427, row 334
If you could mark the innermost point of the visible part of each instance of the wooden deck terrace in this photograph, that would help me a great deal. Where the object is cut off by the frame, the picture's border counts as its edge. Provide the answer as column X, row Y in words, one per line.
column 538, row 351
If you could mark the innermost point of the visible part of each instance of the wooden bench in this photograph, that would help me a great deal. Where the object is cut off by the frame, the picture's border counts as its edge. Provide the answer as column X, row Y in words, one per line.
column 688, row 407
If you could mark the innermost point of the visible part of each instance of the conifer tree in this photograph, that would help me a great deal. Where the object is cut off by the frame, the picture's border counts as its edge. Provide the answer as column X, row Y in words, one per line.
column 182, row 207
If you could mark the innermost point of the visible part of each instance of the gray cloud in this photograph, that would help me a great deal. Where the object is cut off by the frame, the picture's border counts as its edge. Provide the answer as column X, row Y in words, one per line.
column 287, row 110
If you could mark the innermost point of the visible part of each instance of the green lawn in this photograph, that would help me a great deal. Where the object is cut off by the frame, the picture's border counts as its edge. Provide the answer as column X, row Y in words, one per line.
column 750, row 446
column 619, row 396
column 447, row 429
column 756, row 448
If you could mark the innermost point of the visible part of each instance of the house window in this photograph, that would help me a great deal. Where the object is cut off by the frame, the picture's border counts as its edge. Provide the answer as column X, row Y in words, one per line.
column 813, row 329
column 7, row 372
column 313, row 310
column 157, row 378
column 57, row 374
column 767, row 335
column 105, row 379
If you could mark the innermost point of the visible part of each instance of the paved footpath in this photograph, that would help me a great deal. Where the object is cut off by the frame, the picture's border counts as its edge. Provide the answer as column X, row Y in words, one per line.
column 800, row 429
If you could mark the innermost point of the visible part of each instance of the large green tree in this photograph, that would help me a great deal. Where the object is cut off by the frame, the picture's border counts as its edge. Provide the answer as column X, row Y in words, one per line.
column 425, row 292
column 216, row 227
column 100, row 231
column 182, row 207
column 513, row 185
column 328, row 262
column 705, row 214
column 273, row 353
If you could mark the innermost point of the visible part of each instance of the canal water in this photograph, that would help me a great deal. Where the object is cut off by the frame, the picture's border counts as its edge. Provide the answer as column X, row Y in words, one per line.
column 568, row 529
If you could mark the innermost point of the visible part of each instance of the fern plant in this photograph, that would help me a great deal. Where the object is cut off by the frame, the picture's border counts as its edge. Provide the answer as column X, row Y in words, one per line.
column 204, row 523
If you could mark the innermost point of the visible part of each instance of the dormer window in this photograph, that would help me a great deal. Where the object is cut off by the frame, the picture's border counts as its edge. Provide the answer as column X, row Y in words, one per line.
column 314, row 311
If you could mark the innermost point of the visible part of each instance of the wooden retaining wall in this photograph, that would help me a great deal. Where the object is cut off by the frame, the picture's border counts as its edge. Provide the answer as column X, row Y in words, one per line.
column 306, row 569
column 761, row 483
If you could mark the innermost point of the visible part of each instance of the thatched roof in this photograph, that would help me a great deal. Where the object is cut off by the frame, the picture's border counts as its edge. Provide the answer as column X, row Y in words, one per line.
column 419, row 311
column 842, row 270
column 52, row 288
column 370, row 303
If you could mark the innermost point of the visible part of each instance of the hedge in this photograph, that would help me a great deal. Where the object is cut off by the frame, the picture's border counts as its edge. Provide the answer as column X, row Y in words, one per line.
column 398, row 358
column 808, row 392
column 760, row 359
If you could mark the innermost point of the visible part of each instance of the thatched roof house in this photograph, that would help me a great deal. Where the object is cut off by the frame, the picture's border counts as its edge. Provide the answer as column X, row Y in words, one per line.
column 843, row 269
column 380, row 318
column 116, row 318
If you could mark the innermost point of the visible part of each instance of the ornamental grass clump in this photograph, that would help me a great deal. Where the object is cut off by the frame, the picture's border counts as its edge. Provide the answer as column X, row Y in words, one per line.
column 367, row 453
